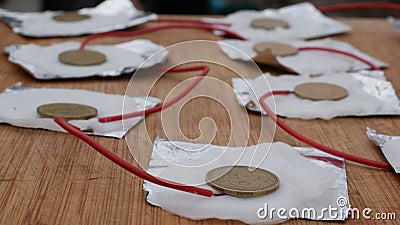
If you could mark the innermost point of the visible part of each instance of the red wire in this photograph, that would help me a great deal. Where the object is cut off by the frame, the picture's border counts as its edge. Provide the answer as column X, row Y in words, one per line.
column 314, row 144
column 360, row 5
column 373, row 67
column 167, row 104
column 196, row 21
column 119, row 161
column 152, row 29
column 191, row 189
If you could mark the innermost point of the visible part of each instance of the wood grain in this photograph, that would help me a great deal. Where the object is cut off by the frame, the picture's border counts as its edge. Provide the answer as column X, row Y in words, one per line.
column 53, row 178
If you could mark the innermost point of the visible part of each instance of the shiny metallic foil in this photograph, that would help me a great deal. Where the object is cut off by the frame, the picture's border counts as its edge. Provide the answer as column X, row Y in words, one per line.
column 108, row 16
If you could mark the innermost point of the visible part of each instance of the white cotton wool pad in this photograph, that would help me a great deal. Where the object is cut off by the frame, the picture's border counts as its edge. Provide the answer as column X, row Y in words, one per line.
column 306, row 62
column 121, row 58
column 107, row 16
column 367, row 95
column 305, row 22
column 19, row 106
column 304, row 182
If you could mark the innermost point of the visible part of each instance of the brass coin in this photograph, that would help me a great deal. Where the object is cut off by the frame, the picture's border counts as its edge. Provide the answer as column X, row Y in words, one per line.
column 82, row 58
column 70, row 17
column 269, row 23
column 68, row 111
column 277, row 48
column 320, row 91
column 242, row 180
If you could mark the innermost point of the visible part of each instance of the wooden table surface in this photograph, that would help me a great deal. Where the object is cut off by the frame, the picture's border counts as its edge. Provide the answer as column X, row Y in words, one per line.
column 53, row 178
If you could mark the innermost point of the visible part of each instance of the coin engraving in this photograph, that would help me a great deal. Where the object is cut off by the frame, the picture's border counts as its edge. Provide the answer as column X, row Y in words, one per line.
column 68, row 111
column 242, row 180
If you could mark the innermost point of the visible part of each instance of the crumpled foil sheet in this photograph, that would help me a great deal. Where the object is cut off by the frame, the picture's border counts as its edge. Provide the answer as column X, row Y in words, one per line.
column 121, row 58
column 107, row 16
column 306, row 22
column 395, row 23
column 19, row 105
column 389, row 146
column 308, row 179
column 306, row 62
column 369, row 94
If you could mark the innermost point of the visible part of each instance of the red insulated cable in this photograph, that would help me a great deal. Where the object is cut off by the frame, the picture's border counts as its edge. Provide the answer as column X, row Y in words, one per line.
column 167, row 104
column 298, row 136
column 152, row 29
column 373, row 67
column 119, row 161
column 195, row 21
column 360, row 5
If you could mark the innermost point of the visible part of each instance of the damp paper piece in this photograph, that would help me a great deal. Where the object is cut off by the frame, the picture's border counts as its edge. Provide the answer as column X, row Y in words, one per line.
column 395, row 23
column 368, row 94
column 107, row 16
column 19, row 106
column 305, row 182
column 121, row 58
column 305, row 22
column 305, row 62
column 389, row 146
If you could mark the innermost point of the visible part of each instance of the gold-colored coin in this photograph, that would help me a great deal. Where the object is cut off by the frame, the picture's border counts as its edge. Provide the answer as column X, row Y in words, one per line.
column 277, row 48
column 269, row 23
column 82, row 57
column 68, row 111
column 320, row 91
column 242, row 180
column 71, row 17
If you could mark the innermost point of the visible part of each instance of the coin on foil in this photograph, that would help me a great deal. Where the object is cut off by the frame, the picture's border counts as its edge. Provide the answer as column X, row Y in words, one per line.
column 68, row 111
column 242, row 181
column 269, row 23
column 82, row 57
column 277, row 48
column 320, row 91
column 71, row 17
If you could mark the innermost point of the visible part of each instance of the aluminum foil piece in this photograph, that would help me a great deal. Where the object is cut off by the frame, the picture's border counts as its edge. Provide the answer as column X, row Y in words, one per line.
column 395, row 23
column 369, row 94
column 389, row 146
column 309, row 179
column 305, row 22
column 19, row 105
column 121, row 58
column 322, row 62
column 107, row 16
